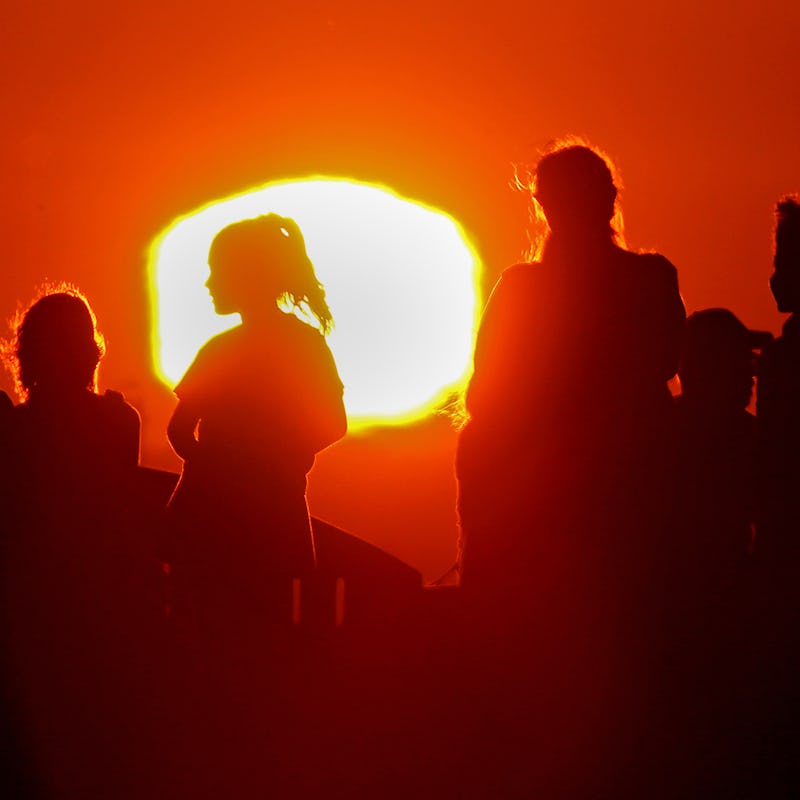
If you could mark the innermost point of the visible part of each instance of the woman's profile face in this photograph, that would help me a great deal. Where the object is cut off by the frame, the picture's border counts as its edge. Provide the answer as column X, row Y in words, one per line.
column 220, row 287
column 243, row 272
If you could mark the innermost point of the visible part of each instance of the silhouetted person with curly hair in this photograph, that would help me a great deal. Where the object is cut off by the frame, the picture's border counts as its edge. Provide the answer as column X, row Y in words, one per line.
column 75, row 599
column 73, row 437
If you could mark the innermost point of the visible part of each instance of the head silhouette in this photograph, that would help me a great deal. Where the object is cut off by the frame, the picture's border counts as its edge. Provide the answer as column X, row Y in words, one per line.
column 257, row 262
column 575, row 187
column 785, row 280
column 717, row 363
column 57, row 345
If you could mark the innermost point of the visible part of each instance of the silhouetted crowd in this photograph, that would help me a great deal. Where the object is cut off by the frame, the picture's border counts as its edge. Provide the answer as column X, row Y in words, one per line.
column 626, row 621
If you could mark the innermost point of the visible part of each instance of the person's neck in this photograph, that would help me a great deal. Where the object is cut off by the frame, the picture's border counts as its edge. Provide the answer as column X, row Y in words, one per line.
column 57, row 393
column 572, row 243
column 260, row 316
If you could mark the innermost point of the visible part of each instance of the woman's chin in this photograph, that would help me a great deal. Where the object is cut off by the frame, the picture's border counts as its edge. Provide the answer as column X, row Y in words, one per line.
column 220, row 308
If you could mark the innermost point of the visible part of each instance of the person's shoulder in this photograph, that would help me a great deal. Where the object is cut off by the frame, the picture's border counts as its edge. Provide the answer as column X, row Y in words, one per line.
column 779, row 356
column 114, row 405
column 222, row 341
column 219, row 348
column 654, row 274
column 790, row 332
column 650, row 260
column 113, row 399
column 521, row 272
column 517, row 278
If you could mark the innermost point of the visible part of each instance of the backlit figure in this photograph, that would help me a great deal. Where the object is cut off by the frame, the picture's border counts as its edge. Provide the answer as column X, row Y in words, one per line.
column 74, row 580
column 561, row 472
column 778, row 404
column 74, row 443
column 256, row 405
column 716, row 444
column 570, row 377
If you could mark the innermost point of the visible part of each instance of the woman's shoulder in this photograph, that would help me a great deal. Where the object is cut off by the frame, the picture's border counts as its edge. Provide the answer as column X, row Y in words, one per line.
column 522, row 271
column 650, row 273
column 114, row 400
column 218, row 350
column 75, row 414
column 221, row 342
column 114, row 407
column 656, row 263
column 518, row 277
column 519, row 283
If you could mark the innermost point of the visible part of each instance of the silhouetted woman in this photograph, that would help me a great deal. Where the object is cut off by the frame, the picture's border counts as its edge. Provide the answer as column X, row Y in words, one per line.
column 71, row 589
column 571, row 367
column 75, row 450
column 559, row 477
column 70, row 432
column 256, row 405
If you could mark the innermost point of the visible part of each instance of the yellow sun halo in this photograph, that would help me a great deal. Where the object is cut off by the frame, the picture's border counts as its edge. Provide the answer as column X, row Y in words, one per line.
column 401, row 281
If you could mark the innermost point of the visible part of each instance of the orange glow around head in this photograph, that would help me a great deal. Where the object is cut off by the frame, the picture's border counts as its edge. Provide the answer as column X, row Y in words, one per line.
column 401, row 280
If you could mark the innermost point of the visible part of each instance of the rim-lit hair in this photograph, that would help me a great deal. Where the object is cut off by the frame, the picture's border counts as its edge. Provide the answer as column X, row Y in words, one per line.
column 563, row 160
column 56, row 345
column 273, row 248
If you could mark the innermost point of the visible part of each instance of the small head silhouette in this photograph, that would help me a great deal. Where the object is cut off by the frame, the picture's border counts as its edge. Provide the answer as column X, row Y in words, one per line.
column 718, row 362
column 785, row 280
column 58, row 347
column 575, row 187
column 257, row 262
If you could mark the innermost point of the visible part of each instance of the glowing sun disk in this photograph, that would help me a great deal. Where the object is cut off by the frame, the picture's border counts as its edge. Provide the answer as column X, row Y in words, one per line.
column 401, row 281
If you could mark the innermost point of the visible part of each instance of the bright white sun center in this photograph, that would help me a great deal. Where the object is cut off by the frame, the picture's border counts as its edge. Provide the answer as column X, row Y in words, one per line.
column 400, row 280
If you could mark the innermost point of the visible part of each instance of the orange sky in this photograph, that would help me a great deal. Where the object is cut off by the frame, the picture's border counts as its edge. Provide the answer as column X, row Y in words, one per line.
column 119, row 117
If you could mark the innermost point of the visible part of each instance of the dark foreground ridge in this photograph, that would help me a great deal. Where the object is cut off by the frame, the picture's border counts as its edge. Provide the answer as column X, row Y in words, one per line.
column 373, row 685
